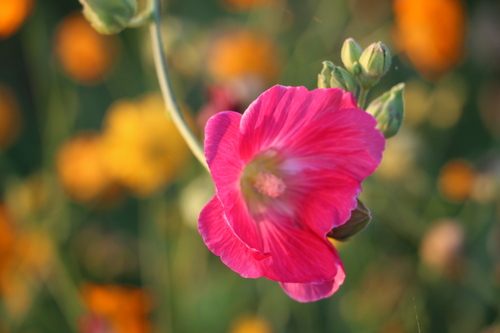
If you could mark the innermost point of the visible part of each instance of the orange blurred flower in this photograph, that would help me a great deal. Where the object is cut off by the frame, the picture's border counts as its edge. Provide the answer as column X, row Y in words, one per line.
column 243, row 53
column 7, row 237
column 24, row 255
column 14, row 293
column 84, row 54
column 247, row 4
column 456, row 180
column 12, row 15
column 81, row 168
column 10, row 118
column 431, row 33
column 143, row 148
column 124, row 309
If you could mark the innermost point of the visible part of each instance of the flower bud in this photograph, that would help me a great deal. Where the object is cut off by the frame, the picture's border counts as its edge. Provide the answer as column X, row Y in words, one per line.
column 336, row 80
column 109, row 16
column 349, row 82
column 360, row 217
column 324, row 77
column 375, row 61
column 388, row 109
column 350, row 54
column 332, row 76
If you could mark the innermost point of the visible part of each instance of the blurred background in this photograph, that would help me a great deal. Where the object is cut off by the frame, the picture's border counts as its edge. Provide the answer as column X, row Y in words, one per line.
column 99, row 196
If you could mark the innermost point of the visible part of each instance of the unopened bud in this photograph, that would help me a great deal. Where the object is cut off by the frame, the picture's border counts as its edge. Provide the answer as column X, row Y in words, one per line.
column 349, row 82
column 375, row 61
column 336, row 80
column 360, row 217
column 332, row 76
column 109, row 16
column 388, row 109
column 350, row 53
column 324, row 77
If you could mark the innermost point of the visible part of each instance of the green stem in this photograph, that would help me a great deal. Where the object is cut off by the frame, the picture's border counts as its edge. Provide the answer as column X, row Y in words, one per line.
column 167, row 91
column 65, row 293
column 363, row 93
column 154, row 260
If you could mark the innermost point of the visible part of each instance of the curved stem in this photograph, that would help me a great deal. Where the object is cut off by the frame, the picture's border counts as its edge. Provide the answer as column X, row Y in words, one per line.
column 166, row 88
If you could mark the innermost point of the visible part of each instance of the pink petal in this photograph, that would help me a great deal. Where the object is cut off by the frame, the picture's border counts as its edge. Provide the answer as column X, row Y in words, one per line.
column 322, row 202
column 221, row 240
column 297, row 254
column 279, row 112
column 328, row 162
column 343, row 140
column 288, row 253
column 348, row 102
column 310, row 292
column 222, row 153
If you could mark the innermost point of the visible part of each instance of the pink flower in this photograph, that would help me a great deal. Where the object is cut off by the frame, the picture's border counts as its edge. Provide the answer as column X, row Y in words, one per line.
column 286, row 172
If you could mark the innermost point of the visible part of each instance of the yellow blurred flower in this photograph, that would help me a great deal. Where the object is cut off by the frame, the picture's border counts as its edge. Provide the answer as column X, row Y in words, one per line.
column 243, row 53
column 418, row 102
column 456, row 180
column 431, row 33
column 125, row 309
column 15, row 293
column 35, row 250
column 84, row 54
column 250, row 324
column 442, row 245
column 242, row 5
column 400, row 156
column 485, row 188
column 81, row 169
column 448, row 100
column 441, row 106
column 12, row 15
column 143, row 148
column 10, row 118
column 194, row 197
column 29, row 196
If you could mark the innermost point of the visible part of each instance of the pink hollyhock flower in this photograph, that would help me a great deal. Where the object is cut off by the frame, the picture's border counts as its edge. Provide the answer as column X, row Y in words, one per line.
column 286, row 172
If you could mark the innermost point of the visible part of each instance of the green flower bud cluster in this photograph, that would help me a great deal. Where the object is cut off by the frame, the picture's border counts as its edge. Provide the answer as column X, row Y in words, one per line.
column 112, row 16
column 363, row 69
column 367, row 66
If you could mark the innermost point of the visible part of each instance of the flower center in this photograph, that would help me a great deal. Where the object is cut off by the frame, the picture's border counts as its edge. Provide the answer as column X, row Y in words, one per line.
column 268, row 184
column 262, row 178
